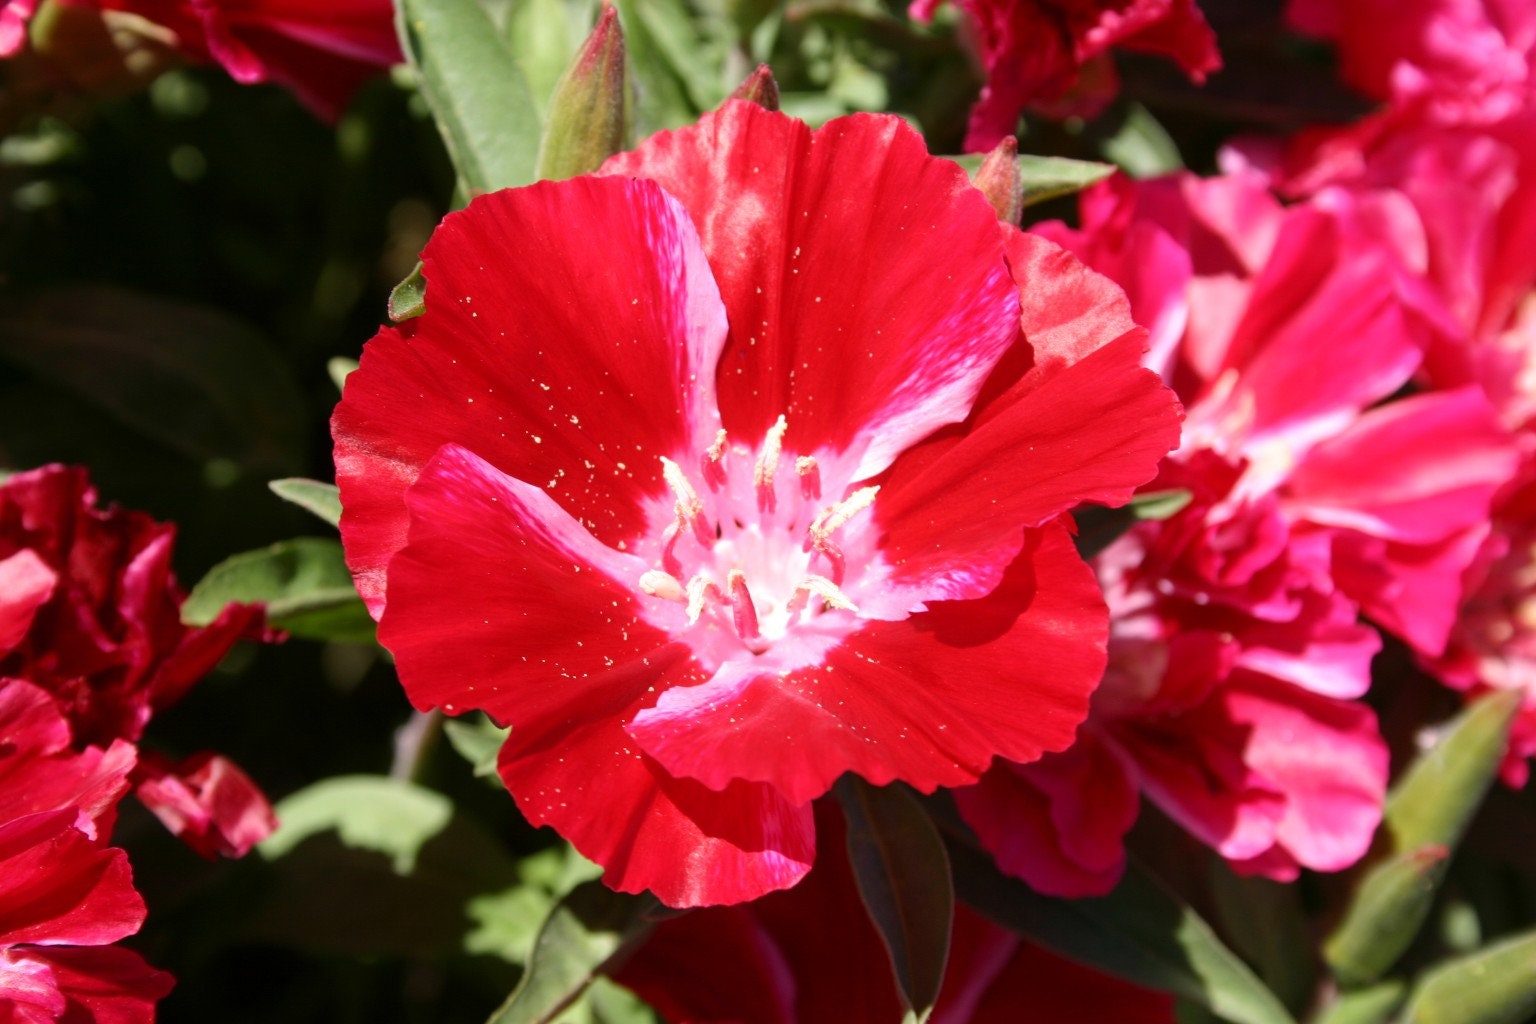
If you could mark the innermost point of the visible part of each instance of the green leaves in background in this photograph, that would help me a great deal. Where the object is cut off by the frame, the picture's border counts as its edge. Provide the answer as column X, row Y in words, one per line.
column 1140, row 932
column 1496, row 985
column 585, row 930
column 477, row 92
column 903, row 877
column 589, row 110
column 303, row 582
column 1427, row 813
column 192, row 379
column 314, row 496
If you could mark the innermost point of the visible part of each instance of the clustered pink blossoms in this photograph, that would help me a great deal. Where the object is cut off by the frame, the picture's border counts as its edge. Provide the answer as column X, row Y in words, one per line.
column 712, row 514
column 91, row 646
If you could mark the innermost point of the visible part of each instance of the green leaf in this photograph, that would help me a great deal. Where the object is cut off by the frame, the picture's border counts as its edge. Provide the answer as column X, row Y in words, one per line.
column 1438, row 794
column 371, row 865
column 1140, row 932
column 408, row 299
column 1142, row 147
column 1266, row 925
column 903, row 877
column 1045, row 177
column 542, row 35
column 303, row 582
column 667, row 92
column 476, row 91
column 583, row 932
column 1496, row 985
column 478, row 740
column 338, row 369
column 1386, row 913
column 589, row 111
column 190, row 378
column 315, row 496
column 508, row 922
column 1374, row 1005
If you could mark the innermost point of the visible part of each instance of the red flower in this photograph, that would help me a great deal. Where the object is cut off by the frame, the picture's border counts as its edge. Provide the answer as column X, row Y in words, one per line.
column 323, row 51
column 91, row 613
column 14, row 15
column 60, row 886
column 684, row 476
column 1037, row 51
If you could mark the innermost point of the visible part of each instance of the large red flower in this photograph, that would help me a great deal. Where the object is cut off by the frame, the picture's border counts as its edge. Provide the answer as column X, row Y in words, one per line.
column 683, row 475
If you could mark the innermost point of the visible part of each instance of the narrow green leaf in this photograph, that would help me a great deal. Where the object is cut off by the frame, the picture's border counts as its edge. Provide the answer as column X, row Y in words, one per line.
column 1140, row 932
column 589, row 111
column 1386, row 913
column 1496, row 985
column 1440, row 791
column 1266, row 925
column 903, row 877
column 1045, row 177
column 476, row 90
column 192, row 379
column 585, row 929
column 314, row 496
column 664, row 91
column 408, row 299
column 1099, row 527
column 303, row 582
column 1374, row 1005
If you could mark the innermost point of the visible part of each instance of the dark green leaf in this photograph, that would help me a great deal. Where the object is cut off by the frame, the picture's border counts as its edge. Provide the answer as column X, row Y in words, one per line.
column 322, row 499
column 476, row 90
column 191, row 378
column 1385, row 914
column 1266, row 925
column 303, row 582
column 1494, row 986
column 585, row 930
column 903, row 877
column 1140, row 932
column 408, row 299
column 1440, row 792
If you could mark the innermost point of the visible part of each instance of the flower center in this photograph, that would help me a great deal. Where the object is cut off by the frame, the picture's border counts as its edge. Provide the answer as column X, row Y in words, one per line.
column 761, row 553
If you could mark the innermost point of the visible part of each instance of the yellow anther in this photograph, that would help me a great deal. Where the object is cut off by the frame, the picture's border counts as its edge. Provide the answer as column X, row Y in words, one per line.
column 768, row 462
column 834, row 517
column 663, row 585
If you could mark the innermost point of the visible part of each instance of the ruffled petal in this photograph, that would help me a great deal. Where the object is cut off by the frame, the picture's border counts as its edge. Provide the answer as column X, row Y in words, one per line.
column 57, row 886
column 864, row 279
column 928, row 700
column 570, row 339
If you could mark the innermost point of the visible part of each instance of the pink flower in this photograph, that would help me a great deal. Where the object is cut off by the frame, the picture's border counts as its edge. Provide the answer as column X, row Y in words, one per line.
column 711, row 513
column 1037, row 51
column 1235, row 654
column 1463, row 60
column 811, row 956
column 322, row 51
column 14, row 15
column 91, row 613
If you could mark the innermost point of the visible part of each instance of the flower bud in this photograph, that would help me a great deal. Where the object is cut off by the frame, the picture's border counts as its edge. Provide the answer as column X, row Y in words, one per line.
column 759, row 88
column 588, row 113
column 1000, row 181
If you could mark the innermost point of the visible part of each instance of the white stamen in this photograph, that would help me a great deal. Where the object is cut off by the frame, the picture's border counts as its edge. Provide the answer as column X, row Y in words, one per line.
column 663, row 585
column 712, row 465
column 690, row 509
column 832, row 518
column 810, row 478
column 701, row 591
column 819, row 586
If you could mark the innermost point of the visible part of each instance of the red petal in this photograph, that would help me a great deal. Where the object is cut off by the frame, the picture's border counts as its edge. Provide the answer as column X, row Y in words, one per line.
column 58, row 887
column 98, row 986
column 1090, row 433
column 503, row 602
column 208, row 802
column 929, row 700
column 26, row 583
column 864, row 279
column 570, row 338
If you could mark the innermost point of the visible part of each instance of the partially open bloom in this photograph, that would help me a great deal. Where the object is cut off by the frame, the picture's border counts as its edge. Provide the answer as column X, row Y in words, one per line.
column 91, row 612
column 1039, row 51
column 683, row 475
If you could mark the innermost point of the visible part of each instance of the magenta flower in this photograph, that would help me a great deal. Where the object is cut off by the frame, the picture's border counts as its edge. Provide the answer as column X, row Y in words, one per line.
column 731, row 471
